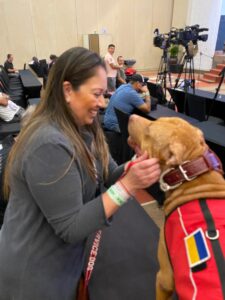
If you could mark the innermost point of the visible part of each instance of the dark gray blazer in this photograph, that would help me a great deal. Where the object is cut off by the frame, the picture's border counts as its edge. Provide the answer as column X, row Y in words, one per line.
column 49, row 216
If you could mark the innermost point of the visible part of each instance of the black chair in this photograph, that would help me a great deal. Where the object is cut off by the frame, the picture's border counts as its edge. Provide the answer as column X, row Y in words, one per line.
column 114, row 141
column 6, row 145
column 13, row 87
column 196, row 107
column 179, row 99
column 156, row 91
column 123, row 119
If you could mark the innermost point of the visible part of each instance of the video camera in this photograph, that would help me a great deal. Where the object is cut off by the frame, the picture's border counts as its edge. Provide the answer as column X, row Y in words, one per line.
column 179, row 36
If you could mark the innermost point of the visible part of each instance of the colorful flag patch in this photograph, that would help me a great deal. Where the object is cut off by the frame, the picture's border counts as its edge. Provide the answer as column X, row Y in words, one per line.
column 196, row 248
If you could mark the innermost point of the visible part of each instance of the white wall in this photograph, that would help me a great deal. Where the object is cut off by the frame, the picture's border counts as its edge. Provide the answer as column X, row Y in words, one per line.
column 41, row 27
column 223, row 8
column 206, row 13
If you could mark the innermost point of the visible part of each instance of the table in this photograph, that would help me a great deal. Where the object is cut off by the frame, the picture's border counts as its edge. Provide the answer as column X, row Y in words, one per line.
column 215, row 138
column 164, row 111
column 30, row 83
column 9, row 128
column 213, row 107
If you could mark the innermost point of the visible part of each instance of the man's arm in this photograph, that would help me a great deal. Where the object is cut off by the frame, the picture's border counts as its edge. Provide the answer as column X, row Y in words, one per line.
column 119, row 78
column 114, row 66
column 146, row 106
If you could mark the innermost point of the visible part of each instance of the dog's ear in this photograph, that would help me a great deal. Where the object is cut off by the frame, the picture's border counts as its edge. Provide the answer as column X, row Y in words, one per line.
column 176, row 153
column 201, row 137
column 178, row 150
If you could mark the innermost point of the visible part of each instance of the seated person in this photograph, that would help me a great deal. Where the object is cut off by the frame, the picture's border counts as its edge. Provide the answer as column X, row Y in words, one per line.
column 121, row 76
column 9, row 111
column 5, row 147
column 35, row 66
column 8, row 65
column 52, row 61
column 126, row 98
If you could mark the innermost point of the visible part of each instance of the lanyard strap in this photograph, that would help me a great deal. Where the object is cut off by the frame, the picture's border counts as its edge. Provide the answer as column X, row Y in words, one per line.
column 92, row 257
column 95, row 246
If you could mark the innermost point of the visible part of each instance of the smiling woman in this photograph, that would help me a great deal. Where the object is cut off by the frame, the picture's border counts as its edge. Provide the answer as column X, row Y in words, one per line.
column 57, row 175
column 86, row 101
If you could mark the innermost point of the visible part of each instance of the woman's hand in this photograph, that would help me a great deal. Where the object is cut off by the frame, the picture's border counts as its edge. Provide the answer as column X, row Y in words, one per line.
column 143, row 173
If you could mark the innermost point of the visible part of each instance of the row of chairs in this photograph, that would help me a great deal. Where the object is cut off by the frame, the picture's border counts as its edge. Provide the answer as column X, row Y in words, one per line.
column 13, row 87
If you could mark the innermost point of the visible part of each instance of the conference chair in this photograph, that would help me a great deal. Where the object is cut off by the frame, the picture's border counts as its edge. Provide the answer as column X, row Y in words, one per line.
column 123, row 119
column 156, row 92
column 196, row 107
column 179, row 100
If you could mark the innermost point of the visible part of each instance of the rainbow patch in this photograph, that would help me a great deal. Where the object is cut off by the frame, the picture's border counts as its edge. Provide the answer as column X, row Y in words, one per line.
column 196, row 248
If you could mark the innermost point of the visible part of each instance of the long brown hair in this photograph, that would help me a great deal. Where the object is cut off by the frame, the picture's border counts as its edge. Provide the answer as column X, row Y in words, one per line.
column 76, row 65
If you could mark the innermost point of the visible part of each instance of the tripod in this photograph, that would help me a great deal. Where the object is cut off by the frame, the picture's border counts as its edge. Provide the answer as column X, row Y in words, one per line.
column 222, row 74
column 189, row 75
column 189, row 72
column 164, row 73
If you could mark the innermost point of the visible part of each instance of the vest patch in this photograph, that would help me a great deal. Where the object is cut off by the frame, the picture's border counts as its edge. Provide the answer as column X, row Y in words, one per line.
column 196, row 248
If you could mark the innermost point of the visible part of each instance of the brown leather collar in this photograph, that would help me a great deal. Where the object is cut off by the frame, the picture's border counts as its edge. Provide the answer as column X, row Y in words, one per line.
column 189, row 170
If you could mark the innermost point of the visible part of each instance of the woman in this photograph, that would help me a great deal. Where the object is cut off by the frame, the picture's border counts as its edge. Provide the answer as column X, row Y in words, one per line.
column 56, row 173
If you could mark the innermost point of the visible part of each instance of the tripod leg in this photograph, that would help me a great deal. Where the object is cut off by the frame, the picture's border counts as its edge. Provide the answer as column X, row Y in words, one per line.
column 159, row 70
column 182, row 62
column 193, row 75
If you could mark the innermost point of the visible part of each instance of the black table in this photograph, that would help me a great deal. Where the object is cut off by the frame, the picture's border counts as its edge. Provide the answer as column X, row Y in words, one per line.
column 213, row 132
column 215, row 137
column 213, row 107
column 164, row 111
column 9, row 128
column 30, row 83
column 207, row 94
column 33, row 101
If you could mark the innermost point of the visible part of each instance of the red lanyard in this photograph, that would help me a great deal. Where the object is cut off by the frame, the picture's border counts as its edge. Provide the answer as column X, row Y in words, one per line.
column 96, row 242
column 92, row 257
column 129, row 165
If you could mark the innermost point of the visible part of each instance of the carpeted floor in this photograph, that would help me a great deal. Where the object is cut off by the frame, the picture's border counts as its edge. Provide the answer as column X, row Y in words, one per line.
column 126, row 264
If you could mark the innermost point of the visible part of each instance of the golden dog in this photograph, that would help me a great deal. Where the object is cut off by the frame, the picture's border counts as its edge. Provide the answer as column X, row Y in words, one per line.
column 178, row 144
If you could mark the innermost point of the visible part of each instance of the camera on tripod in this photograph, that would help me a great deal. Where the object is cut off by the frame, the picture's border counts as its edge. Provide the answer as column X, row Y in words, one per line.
column 179, row 36
column 191, row 33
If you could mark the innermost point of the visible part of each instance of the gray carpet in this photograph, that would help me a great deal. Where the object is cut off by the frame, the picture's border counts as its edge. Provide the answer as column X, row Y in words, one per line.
column 127, row 264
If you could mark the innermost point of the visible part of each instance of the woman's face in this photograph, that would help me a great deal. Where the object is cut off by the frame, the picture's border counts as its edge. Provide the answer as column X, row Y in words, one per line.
column 88, row 99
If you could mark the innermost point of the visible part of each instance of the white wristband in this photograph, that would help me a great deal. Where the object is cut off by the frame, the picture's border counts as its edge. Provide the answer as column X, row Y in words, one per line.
column 118, row 194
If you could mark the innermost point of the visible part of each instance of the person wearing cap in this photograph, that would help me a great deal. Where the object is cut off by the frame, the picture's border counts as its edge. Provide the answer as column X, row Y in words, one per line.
column 126, row 98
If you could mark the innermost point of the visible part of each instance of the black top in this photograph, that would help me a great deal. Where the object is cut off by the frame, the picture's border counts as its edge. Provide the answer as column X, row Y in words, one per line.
column 8, row 65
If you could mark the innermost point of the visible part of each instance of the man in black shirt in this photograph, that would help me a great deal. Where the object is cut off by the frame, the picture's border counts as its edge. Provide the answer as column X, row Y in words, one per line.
column 8, row 65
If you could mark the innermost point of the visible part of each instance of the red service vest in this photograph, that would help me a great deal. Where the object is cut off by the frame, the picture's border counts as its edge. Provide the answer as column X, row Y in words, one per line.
column 180, row 228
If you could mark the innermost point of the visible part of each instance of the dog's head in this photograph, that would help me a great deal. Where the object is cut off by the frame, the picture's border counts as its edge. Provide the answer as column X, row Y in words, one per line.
column 171, row 140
